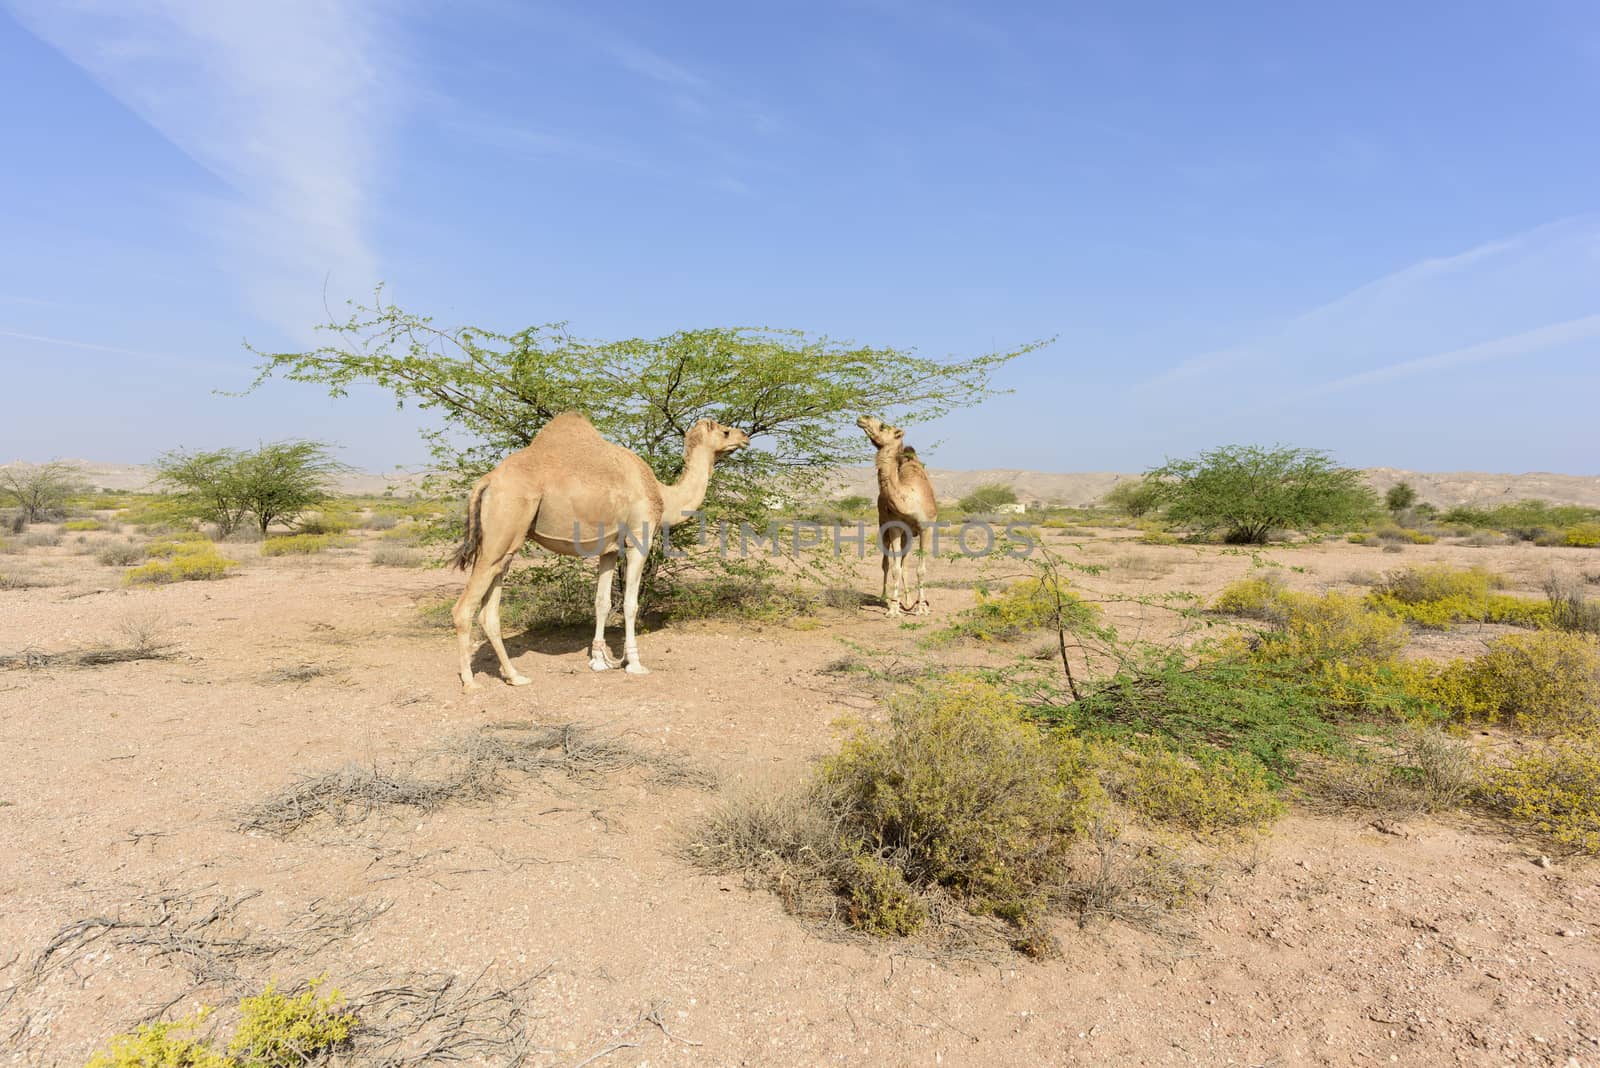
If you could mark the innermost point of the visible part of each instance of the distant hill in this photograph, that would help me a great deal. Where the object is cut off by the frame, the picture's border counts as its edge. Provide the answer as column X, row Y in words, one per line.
column 1444, row 489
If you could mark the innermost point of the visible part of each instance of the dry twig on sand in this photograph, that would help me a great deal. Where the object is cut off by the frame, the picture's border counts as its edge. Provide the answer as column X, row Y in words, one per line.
column 469, row 768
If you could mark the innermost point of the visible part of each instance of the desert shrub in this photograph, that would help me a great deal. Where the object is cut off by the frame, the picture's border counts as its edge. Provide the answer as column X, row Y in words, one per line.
column 303, row 544
column 10, row 546
column 1525, row 520
column 1022, row 608
column 1361, row 538
column 274, row 1031
column 1582, row 535
column 173, row 544
column 1335, row 627
column 1547, row 682
column 40, row 539
column 1255, row 597
column 1438, row 596
column 120, row 554
column 960, row 792
column 1570, row 607
column 194, row 561
column 1206, row 790
column 1554, row 789
column 327, row 521
column 749, row 590
column 279, row 1031
column 879, row 900
column 163, row 1045
column 83, row 524
column 398, row 556
column 380, row 521
column 1425, row 770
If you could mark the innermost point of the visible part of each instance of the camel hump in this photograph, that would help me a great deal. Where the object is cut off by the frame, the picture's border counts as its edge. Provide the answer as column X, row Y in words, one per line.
column 571, row 428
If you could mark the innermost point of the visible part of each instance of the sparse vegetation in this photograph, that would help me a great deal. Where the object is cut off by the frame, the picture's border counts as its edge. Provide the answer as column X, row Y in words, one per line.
column 272, row 483
column 184, row 561
column 1400, row 497
column 1438, row 596
column 303, row 544
column 1554, row 789
column 1135, row 498
column 988, row 497
column 275, row 1030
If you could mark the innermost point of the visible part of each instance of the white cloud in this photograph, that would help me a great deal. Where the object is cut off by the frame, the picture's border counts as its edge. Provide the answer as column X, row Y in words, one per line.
column 285, row 102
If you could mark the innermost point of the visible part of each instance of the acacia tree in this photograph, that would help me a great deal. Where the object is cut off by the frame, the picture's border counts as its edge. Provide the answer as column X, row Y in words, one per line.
column 207, row 485
column 1400, row 497
column 40, row 490
column 795, row 394
column 988, row 497
column 1247, row 491
column 274, row 482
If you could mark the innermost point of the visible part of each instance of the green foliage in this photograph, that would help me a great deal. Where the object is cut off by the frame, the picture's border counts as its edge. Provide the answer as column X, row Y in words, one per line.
column 788, row 390
column 83, row 524
column 1400, row 497
column 1438, row 596
column 1205, row 790
column 1256, row 597
column 1582, row 535
column 1247, row 491
column 853, row 504
column 303, row 544
column 271, row 483
column 988, row 497
column 1022, row 608
column 1554, row 789
column 185, row 561
column 1134, row 498
column 41, row 491
column 1526, row 520
column 878, row 899
column 960, row 792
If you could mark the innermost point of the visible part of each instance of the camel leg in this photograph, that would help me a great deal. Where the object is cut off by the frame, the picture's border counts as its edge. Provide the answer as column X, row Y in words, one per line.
column 886, row 577
column 893, row 540
column 920, row 606
column 504, row 521
column 491, row 628
column 630, row 611
column 600, row 658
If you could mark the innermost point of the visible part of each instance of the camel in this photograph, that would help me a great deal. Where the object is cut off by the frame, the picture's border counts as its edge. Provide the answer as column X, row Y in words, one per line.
column 576, row 494
column 906, row 507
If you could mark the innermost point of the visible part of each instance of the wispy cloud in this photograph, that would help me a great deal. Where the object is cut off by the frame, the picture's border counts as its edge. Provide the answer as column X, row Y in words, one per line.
column 285, row 102
column 143, row 355
column 1467, row 307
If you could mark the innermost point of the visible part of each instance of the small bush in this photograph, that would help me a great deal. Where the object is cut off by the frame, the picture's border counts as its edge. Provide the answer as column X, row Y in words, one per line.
column 1335, row 627
column 326, row 522
column 1022, row 608
column 1438, row 596
column 1582, row 535
column 1253, row 598
column 1570, row 607
column 278, row 1031
column 303, row 544
column 1547, row 682
column 120, row 554
column 197, row 562
column 397, row 556
column 41, row 539
column 1555, row 790
column 275, row 1031
column 1213, row 791
column 163, row 1045
column 83, row 524
column 380, row 521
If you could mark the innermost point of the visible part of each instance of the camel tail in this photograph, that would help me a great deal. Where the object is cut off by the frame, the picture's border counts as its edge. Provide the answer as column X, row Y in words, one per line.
column 467, row 552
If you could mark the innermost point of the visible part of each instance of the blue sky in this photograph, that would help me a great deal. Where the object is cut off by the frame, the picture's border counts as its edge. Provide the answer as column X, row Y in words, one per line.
column 1367, row 227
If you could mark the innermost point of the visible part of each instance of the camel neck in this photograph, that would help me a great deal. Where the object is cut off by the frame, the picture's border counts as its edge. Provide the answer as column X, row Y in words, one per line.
column 689, row 492
column 888, row 463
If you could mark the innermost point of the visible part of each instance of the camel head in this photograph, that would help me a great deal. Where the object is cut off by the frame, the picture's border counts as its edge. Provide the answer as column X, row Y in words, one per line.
column 723, row 440
column 881, row 434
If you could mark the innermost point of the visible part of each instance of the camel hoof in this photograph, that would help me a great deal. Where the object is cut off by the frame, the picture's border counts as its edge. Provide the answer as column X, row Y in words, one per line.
column 921, row 608
column 470, row 686
column 894, row 610
column 518, row 680
column 600, row 663
column 637, row 669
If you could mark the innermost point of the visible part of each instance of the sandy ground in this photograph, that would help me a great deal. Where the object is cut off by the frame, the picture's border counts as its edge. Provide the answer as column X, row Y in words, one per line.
column 1332, row 943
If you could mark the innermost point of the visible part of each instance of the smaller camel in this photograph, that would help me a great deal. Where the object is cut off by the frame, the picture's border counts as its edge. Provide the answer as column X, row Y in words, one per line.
column 906, row 508
column 577, row 494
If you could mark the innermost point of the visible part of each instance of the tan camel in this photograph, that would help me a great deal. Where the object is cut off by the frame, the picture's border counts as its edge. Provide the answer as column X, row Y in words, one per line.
column 577, row 494
column 906, row 508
